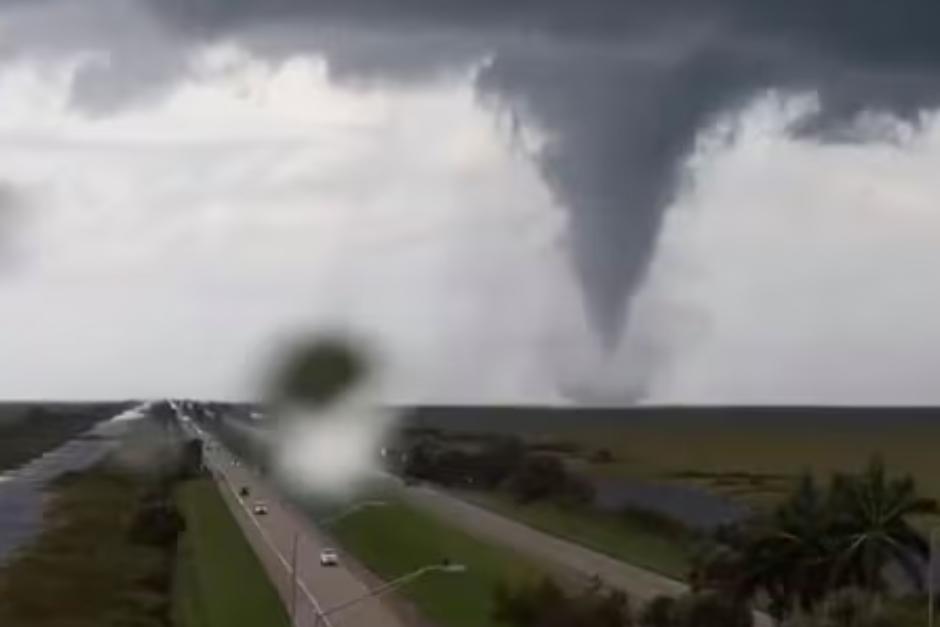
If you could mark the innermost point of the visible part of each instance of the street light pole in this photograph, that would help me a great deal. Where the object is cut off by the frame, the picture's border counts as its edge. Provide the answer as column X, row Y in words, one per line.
column 293, row 580
column 930, row 583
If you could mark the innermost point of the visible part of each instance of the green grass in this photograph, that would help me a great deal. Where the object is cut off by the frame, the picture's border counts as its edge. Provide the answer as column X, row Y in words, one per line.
column 752, row 465
column 219, row 580
column 628, row 538
column 82, row 570
column 397, row 539
column 755, row 466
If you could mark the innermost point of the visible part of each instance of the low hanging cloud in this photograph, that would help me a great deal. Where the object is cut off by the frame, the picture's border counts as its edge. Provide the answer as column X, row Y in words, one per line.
column 605, row 101
column 622, row 87
column 178, row 241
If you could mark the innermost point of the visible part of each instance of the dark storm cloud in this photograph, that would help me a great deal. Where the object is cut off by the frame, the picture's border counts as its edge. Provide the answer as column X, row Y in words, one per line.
column 141, row 56
column 623, row 124
column 622, row 86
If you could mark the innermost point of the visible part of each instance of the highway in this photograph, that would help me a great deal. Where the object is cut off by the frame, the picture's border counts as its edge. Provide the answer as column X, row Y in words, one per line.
column 548, row 549
column 641, row 584
column 272, row 536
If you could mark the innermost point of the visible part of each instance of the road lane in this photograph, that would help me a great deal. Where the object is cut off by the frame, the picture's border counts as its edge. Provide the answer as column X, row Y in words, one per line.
column 321, row 588
column 488, row 526
column 276, row 561
column 555, row 552
column 492, row 527
column 272, row 536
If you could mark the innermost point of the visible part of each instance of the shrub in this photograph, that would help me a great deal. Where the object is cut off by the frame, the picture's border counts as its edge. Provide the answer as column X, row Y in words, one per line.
column 156, row 524
column 711, row 609
column 546, row 477
column 577, row 490
column 602, row 456
column 659, row 612
column 545, row 604
column 539, row 477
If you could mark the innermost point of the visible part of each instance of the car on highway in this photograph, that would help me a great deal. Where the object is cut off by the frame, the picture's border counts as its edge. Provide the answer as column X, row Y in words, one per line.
column 243, row 492
column 329, row 557
column 259, row 509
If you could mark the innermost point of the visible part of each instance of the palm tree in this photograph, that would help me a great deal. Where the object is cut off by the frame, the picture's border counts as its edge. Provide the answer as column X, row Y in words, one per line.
column 872, row 523
column 792, row 559
column 784, row 557
column 817, row 542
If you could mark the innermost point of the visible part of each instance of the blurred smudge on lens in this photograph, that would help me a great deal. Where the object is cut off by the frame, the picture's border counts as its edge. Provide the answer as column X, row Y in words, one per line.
column 328, row 426
column 319, row 372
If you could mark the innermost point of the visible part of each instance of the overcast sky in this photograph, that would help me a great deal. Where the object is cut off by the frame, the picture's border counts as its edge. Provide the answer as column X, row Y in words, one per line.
column 546, row 201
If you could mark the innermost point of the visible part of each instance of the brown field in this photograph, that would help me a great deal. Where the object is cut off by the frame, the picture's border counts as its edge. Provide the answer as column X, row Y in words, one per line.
column 751, row 454
column 755, row 464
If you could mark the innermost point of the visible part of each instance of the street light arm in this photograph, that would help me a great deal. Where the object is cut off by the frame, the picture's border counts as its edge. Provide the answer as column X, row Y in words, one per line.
column 381, row 589
column 446, row 567
column 348, row 511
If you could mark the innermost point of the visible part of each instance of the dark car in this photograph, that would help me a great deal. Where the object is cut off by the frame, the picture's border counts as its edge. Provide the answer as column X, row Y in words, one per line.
column 243, row 492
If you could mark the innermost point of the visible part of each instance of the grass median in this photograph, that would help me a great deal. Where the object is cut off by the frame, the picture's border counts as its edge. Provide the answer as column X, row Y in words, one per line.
column 219, row 580
column 629, row 537
column 397, row 539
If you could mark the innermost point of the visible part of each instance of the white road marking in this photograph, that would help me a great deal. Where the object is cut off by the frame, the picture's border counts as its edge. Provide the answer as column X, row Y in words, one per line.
column 270, row 543
column 264, row 536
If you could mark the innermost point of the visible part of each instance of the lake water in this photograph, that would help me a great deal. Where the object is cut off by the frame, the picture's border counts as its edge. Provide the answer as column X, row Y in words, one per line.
column 21, row 489
column 695, row 507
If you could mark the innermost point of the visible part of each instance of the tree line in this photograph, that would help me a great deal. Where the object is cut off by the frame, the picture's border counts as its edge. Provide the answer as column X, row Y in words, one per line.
column 496, row 461
column 546, row 604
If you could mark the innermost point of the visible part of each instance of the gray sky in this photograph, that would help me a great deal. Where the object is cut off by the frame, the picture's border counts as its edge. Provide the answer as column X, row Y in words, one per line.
column 535, row 201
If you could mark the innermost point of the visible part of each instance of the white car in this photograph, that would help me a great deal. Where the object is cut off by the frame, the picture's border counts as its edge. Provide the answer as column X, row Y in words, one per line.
column 260, row 509
column 329, row 557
